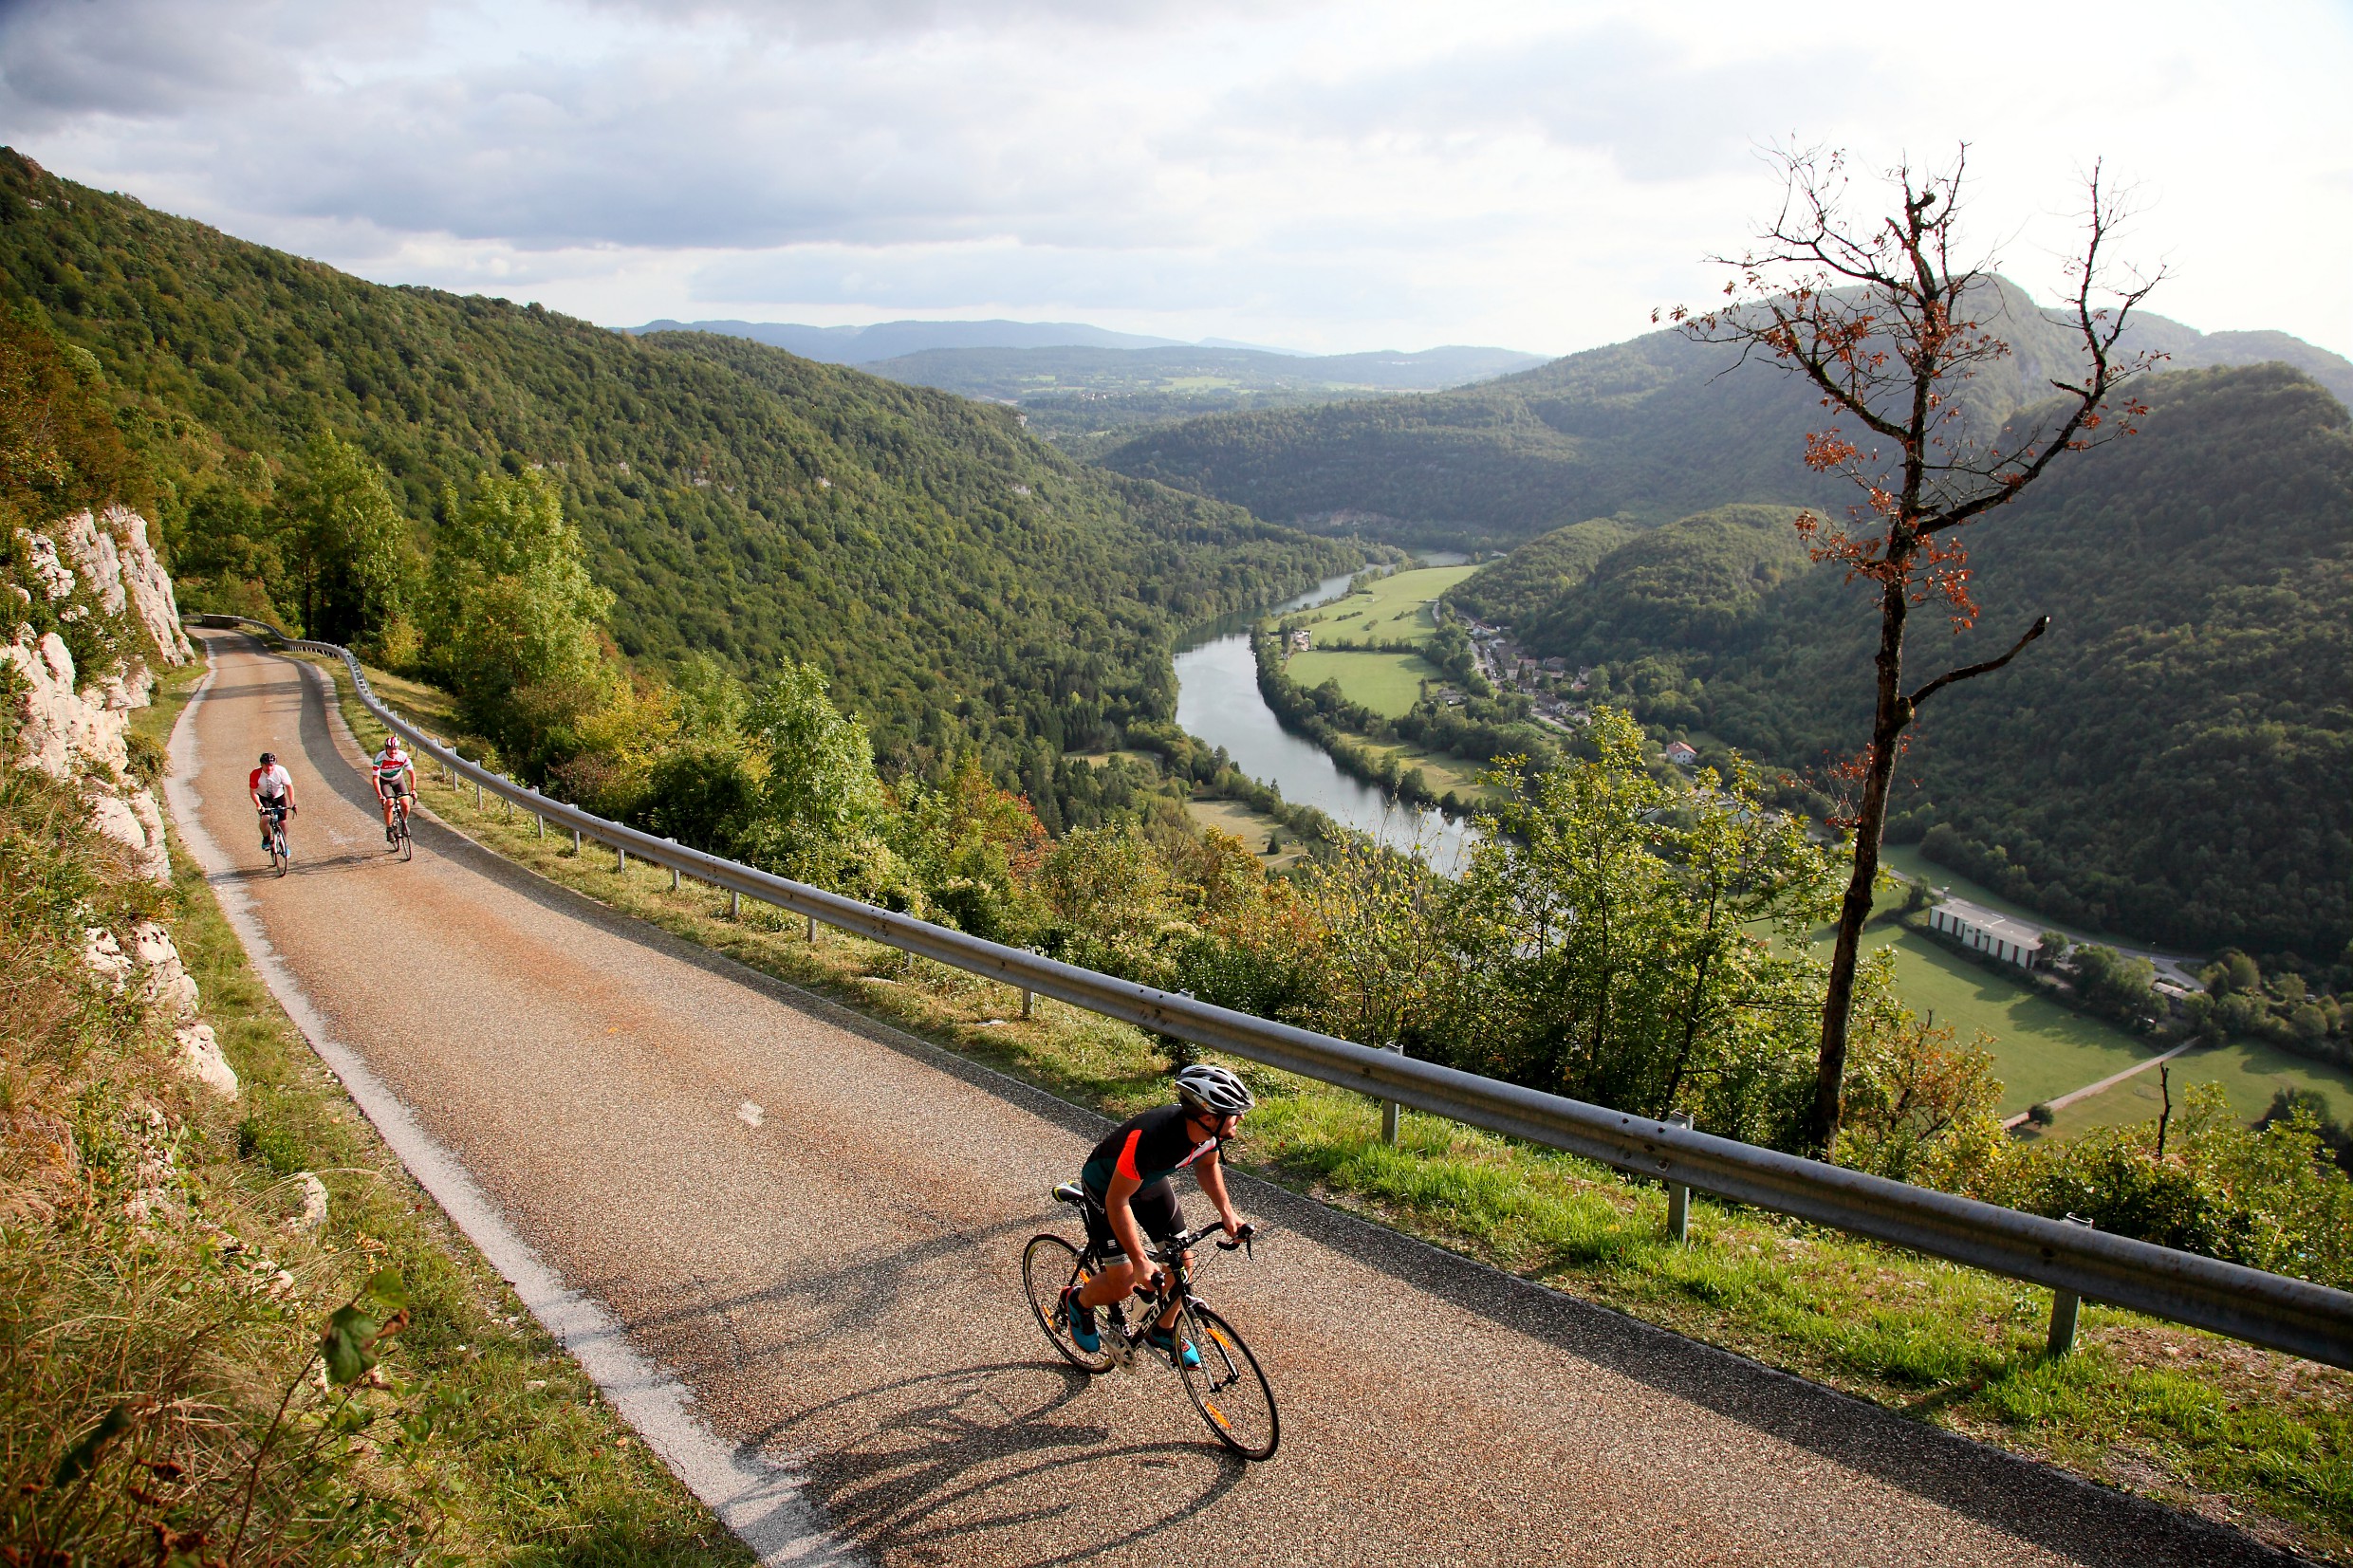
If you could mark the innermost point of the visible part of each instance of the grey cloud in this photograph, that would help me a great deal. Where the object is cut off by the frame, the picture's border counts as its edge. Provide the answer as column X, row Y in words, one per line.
column 679, row 143
column 1614, row 90
column 145, row 59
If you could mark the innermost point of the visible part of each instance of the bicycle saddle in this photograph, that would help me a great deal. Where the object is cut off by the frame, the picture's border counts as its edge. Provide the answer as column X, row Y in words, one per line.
column 1070, row 1191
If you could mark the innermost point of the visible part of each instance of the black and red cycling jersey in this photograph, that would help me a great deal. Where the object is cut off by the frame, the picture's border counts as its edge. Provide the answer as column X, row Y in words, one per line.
column 1149, row 1147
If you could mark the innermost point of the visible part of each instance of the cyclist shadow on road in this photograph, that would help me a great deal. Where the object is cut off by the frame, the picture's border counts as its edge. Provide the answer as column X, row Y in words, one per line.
column 328, row 865
column 933, row 1464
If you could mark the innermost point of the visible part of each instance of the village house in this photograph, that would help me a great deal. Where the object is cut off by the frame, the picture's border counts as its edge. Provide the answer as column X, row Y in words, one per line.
column 1681, row 753
column 1982, row 930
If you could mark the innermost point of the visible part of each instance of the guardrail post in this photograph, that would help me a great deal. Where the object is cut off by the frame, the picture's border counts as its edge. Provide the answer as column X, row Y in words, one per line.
column 1027, row 997
column 1389, row 1108
column 734, row 905
column 621, row 859
column 575, row 840
column 477, row 794
column 1678, row 1193
column 2066, row 1305
column 539, row 818
column 812, row 928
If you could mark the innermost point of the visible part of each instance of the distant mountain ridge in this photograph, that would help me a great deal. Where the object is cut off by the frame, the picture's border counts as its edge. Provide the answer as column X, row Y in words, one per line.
column 1653, row 429
column 1084, row 398
column 861, row 345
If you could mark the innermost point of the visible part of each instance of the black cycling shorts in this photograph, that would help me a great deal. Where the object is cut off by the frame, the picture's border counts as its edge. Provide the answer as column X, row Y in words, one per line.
column 1154, row 1206
column 391, row 787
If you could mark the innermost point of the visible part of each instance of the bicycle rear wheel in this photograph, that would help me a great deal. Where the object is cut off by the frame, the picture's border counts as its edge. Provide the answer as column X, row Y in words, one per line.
column 1227, row 1387
column 1048, row 1264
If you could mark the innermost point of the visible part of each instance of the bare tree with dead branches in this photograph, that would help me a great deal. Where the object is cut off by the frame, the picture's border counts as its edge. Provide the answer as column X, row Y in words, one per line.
column 1889, row 329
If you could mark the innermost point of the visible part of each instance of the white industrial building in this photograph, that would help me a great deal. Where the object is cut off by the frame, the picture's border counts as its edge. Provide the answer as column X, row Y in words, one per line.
column 1997, row 936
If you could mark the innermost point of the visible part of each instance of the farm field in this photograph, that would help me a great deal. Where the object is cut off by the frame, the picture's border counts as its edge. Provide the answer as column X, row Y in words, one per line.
column 1248, row 823
column 1389, row 683
column 2041, row 1049
column 2249, row 1072
column 1389, row 608
column 1441, row 774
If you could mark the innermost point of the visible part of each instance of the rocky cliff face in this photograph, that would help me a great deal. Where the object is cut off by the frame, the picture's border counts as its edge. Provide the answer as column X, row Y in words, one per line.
column 91, row 581
column 95, row 616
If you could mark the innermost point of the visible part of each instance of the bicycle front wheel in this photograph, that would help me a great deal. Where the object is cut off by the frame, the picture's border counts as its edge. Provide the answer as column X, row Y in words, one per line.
column 1048, row 1264
column 279, row 853
column 408, row 845
column 1227, row 1387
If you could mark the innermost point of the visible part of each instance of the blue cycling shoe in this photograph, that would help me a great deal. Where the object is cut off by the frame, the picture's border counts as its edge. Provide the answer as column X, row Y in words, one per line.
column 1078, row 1320
column 1166, row 1342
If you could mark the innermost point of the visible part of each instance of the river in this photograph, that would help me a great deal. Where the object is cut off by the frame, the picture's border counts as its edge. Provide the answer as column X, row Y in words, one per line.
column 1217, row 702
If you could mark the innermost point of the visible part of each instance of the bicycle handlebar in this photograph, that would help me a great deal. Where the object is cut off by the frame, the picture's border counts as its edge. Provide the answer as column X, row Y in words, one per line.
column 1185, row 1240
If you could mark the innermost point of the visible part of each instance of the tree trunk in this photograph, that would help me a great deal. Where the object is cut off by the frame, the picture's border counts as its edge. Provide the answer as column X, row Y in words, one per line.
column 1892, row 717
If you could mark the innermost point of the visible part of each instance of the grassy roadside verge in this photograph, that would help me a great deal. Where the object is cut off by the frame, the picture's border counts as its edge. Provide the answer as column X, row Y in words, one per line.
column 485, row 1443
column 2261, row 1441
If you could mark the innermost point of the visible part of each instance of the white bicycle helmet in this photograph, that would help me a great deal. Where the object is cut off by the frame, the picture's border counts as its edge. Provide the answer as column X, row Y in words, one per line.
column 1215, row 1090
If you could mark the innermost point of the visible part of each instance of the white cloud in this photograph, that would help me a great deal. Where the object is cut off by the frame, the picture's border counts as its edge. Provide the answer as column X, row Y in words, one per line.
column 1323, row 175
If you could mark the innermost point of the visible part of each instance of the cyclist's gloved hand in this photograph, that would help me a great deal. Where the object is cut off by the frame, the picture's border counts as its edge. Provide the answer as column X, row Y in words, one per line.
column 1155, row 1283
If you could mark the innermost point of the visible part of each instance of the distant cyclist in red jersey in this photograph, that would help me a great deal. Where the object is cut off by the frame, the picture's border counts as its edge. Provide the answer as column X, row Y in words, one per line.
column 1128, row 1195
column 396, row 776
column 272, row 789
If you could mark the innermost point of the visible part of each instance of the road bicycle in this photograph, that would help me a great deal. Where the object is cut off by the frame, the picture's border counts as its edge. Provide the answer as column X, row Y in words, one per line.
column 273, row 834
column 1228, row 1387
column 397, row 831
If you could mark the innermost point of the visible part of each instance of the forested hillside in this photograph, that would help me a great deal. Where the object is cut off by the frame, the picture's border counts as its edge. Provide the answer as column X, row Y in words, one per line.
column 1652, row 429
column 959, row 582
column 2174, row 760
column 1526, row 581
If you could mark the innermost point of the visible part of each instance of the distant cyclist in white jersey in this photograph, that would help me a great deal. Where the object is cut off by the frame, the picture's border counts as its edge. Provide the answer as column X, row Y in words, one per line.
column 396, row 776
column 272, row 789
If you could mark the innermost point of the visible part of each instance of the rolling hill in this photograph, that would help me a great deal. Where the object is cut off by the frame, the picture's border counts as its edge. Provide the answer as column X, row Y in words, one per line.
column 2173, row 761
column 861, row 345
column 1083, row 399
column 961, row 583
column 1653, row 429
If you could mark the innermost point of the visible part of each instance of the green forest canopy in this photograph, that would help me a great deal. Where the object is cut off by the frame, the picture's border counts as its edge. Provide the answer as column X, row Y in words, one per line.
column 959, row 582
column 2174, row 760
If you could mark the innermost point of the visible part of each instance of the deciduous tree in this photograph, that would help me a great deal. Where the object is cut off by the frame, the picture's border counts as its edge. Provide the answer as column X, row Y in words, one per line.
column 1885, row 322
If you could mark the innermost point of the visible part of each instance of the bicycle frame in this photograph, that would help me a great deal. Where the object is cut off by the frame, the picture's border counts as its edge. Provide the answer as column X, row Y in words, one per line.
column 1177, row 1291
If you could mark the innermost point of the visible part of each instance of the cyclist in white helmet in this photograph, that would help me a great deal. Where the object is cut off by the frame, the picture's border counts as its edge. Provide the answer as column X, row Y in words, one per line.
column 396, row 776
column 1128, row 1195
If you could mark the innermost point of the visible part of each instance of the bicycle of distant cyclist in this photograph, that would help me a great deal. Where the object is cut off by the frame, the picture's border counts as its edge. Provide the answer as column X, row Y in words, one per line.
column 399, row 831
column 273, row 831
column 1225, row 1386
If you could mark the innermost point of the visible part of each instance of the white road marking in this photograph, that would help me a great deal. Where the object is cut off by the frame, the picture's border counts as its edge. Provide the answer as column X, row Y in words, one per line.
column 753, row 1496
column 750, row 1114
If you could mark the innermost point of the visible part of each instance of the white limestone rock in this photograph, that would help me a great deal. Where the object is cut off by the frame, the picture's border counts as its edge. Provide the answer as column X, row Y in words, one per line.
column 168, row 985
column 55, row 578
column 104, row 957
column 200, row 1057
column 314, row 1204
column 111, row 551
column 58, row 726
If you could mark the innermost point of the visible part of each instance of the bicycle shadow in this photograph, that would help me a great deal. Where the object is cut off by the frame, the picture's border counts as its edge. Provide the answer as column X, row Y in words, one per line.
column 923, row 1466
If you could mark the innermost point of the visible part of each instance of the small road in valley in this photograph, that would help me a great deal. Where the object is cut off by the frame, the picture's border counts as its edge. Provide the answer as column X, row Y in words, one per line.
column 811, row 1224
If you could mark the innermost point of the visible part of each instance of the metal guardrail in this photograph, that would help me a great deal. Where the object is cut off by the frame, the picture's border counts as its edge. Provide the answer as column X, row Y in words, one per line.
column 2073, row 1260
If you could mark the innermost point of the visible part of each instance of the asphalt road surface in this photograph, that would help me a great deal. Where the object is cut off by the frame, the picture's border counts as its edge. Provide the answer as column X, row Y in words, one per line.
column 812, row 1223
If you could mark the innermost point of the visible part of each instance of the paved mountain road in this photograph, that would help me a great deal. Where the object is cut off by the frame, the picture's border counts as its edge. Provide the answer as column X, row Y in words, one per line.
column 836, row 1283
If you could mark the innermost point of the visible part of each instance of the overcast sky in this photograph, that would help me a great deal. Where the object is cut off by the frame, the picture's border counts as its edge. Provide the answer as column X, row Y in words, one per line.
column 1321, row 177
